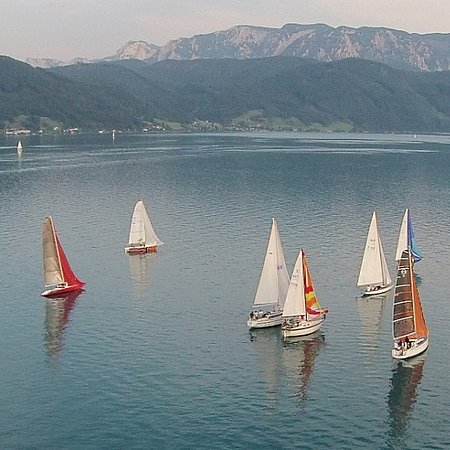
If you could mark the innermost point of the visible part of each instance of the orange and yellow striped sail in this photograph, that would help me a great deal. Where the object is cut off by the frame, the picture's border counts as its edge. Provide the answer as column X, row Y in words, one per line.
column 312, row 303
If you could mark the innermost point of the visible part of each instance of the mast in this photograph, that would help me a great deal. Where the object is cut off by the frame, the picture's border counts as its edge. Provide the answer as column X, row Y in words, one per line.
column 274, row 280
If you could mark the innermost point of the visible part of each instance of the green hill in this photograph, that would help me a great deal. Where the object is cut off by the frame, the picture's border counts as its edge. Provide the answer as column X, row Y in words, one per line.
column 273, row 93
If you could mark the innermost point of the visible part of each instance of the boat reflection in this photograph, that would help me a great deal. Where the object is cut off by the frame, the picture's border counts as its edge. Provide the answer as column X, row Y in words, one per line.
column 140, row 272
column 299, row 355
column 57, row 311
column 405, row 380
column 268, row 344
column 370, row 312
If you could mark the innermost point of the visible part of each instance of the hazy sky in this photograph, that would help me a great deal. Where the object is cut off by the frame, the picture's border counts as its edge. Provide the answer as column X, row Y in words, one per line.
column 64, row 29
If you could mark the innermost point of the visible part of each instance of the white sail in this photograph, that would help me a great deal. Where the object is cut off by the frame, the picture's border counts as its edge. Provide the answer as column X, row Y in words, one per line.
column 141, row 231
column 295, row 304
column 274, row 281
column 374, row 270
column 52, row 264
column 19, row 148
column 402, row 237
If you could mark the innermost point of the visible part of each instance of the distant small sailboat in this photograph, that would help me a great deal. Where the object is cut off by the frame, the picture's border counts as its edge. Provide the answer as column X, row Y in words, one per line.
column 19, row 148
column 58, row 275
column 273, row 285
column 409, row 328
column 374, row 272
column 142, row 238
column 302, row 311
column 407, row 240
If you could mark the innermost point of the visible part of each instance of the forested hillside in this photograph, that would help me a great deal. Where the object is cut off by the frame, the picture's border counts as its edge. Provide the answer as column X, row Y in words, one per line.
column 270, row 93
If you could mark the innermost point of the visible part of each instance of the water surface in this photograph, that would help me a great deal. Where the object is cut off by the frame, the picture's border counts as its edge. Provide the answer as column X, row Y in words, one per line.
column 155, row 353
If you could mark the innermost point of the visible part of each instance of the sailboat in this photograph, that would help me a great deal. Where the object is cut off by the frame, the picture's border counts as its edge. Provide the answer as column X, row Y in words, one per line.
column 407, row 240
column 58, row 275
column 374, row 273
column 142, row 237
column 19, row 148
column 273, row 285
column 302, row 311
column 409, row 329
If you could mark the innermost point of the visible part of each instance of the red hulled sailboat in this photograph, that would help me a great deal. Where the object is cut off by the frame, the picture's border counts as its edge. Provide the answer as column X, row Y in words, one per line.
column 58, row 275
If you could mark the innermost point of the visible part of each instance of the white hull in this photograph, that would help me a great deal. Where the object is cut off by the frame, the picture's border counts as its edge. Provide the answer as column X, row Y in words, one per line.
column 417, row 347
column 273, row 320
column 382, row 290
column 304, row 328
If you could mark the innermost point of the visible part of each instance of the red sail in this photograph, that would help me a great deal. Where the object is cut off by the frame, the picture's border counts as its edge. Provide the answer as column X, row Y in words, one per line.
column 69, row 277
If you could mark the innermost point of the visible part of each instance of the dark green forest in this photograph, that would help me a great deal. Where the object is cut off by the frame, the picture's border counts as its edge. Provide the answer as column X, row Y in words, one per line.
column 269, row 93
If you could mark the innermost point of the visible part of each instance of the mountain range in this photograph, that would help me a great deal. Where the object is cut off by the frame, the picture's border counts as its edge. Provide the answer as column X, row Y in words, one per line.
column 399, row 49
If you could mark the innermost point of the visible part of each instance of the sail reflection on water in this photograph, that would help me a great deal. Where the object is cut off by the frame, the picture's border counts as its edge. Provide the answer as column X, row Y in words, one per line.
column 299, row 355
column 405, row 381
column 370, row 312
column 140, row 272
column 57, row 311
column 268, row 345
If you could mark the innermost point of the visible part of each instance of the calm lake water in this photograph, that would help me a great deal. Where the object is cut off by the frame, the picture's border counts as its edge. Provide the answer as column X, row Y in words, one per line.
column 155, row 353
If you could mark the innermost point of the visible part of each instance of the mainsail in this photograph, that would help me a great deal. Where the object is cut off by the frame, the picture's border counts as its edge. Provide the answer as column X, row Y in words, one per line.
column 274, row 280
column 141, row 231
column 374, row 270
column 407, row 315
column 407, row 240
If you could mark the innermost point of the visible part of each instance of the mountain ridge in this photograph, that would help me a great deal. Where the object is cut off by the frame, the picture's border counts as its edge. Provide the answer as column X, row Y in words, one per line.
column 399, row 49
